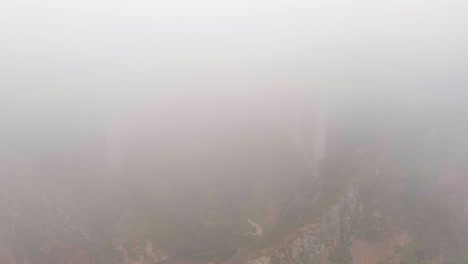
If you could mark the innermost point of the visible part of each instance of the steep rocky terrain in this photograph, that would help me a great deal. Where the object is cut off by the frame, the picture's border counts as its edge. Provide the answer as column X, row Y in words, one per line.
column 363, row 185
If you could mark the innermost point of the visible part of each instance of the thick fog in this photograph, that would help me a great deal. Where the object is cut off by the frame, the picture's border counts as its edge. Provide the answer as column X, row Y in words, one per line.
column 154, row 102
column 86, row 63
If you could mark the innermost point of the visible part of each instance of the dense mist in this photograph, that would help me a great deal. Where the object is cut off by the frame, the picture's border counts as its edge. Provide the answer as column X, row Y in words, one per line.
column 233, row 132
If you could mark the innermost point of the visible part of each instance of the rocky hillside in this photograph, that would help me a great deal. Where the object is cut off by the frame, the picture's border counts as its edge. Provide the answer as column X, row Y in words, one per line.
column 361, row 184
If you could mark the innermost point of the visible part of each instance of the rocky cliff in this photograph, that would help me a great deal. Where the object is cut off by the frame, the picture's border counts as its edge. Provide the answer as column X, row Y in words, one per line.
column 333, row 187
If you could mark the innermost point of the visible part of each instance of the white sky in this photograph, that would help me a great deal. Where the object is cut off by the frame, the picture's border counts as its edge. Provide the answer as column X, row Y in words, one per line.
column 60, row 51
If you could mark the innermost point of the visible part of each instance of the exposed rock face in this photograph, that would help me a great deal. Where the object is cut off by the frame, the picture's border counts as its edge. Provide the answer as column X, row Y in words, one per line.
column 261, row 260
column 314, row 242
column 376, row 252
column 332, row 239
column 63, row 254
column 377, row 193
column 143, row 253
